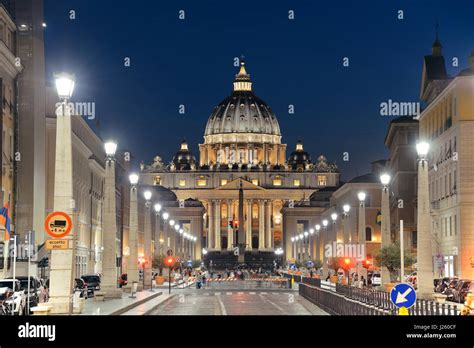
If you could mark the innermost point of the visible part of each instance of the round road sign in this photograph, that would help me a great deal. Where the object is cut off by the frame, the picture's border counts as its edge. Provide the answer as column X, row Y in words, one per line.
column 58, row 224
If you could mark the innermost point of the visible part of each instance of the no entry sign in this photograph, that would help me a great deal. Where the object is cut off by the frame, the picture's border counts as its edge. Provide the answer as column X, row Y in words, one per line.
column 58, row 224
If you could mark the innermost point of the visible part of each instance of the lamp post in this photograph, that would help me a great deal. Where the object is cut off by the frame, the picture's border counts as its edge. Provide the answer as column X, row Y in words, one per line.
column 157, row 207
column 424, row 253
column 311, row 243
column 63, row 261
column 306, row 242
column 347, row 232
column 385, row 235
column 325, row 223
column 361, row 233
column 317, row 227
column 147, row 239
column 109, row 239
column 132, row 271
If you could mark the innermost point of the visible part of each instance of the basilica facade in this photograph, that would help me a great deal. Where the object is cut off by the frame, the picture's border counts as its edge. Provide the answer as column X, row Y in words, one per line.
column 242, row 149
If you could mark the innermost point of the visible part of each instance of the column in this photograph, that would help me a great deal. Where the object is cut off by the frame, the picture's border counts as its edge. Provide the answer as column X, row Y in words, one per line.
column 211, row 225
column 268, row 224
column 132, row 268
column 147, row 246
column 218, row 226
column 248, row 229
column 230, row 230
column 63, row 261
column 324, row 238
column 109, row 262
column 261, row 225
column 385, row 230
column 424, row 252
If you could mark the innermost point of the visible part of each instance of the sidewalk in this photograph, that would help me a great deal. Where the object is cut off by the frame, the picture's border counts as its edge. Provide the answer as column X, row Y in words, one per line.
column 118, row 306
column 149, row 306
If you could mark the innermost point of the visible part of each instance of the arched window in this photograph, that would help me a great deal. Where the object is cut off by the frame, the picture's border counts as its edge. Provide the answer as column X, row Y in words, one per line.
column 368, row 234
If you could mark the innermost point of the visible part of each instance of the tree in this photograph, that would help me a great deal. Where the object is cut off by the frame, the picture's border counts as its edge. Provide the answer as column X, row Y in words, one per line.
column 317, row 264
column 159, row 262
column 389, row 257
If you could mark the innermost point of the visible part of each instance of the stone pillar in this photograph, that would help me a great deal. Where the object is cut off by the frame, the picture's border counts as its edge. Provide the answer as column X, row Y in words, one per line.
column 324, row 238
column 218, row 226
column 424, row 252
column 132, row 268
column 147, row 246
column 295, row 250
column 109, row 261
column 261, row 225
column 385, row 230
column 248, row 229
column 63, row 261
column 268, row 224
column 361, row 228
column 230, row 230
column 211, row 225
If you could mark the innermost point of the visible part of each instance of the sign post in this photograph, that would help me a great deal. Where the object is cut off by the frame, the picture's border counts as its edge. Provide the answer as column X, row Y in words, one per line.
column 403, row 296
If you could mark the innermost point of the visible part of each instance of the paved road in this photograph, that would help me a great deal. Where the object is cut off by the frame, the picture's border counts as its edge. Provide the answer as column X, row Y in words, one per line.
column 236, row 299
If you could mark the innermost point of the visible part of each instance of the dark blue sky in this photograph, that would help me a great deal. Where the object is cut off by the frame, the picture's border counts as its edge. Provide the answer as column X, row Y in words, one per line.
column 296, row 62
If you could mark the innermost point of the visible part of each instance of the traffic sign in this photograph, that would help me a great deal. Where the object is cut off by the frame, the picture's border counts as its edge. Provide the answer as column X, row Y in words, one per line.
column 58, row 224
column 56, row 244
column 403, row 295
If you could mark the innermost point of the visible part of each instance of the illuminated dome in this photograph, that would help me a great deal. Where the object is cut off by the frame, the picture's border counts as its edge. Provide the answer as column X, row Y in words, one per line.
column 242, row 116
column 299, row 159
column 183, row 159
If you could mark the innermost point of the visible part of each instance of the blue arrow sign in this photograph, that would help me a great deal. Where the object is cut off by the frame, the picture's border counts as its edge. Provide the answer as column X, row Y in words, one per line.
column 403, row 295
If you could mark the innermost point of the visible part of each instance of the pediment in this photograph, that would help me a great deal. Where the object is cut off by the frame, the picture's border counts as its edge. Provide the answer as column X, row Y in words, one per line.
column 235, row 185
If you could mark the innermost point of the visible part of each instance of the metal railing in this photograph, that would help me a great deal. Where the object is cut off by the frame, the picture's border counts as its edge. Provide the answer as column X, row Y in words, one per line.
column 349, row 300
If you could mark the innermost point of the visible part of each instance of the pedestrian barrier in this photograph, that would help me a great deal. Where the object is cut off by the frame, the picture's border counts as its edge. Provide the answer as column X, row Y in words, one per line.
column 348, row 300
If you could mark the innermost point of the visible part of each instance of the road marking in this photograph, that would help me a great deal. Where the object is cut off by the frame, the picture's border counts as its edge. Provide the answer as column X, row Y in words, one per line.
column 263, row 293
column 217, row 293
column 272, row 303
column 240, row 293
column 252, row 293
column 221, row 305
column 228, row 293
column 206, row 294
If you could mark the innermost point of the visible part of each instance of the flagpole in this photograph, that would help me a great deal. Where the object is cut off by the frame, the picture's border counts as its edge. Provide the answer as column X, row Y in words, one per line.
column 14, row 262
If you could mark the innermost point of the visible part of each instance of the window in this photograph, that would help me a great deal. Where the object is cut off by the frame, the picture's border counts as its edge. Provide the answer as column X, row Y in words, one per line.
column 202, row 181
column 450, row 226
column 297, row 182
column 322, row 180
column 455, row 225
column 368, row 234
column 223, row 182
column 157, row 180
column 255, row 181
column 182, row 182
column 277, row 181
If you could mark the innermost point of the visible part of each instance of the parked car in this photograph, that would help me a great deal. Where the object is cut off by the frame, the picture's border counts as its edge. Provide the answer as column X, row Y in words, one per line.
column 81, row 286
column 16, row 302
column 92, row 283
column 376, row 279
column 449, row 292
column 441, row 284
column 463, row 287
column 5, row 294
column 35, row 289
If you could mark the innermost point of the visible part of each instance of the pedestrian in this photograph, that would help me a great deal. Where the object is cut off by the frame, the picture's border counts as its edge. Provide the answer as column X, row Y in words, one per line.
column 311, row 273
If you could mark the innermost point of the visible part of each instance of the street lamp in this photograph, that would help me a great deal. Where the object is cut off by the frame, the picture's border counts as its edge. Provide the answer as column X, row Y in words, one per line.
column 172, row 222
column 361, row 232
column 334, row 217
column 166, row 216
column 110, row 252
column 157, row 208
column 424, row 256
column 345, row 223
column 325, row 223
column 346, row 208
column 63, row 261
column 132, row 269
column 110, row 149
column 133, row 179
column 147, row 194
column 385, row 227
column 65, row 85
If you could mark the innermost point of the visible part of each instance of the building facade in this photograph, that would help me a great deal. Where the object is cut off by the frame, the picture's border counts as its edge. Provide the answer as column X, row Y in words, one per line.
column 242, row 149
column 447, row 123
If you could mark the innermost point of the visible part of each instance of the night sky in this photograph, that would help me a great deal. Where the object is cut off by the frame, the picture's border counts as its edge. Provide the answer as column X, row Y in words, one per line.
column 297, row 62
